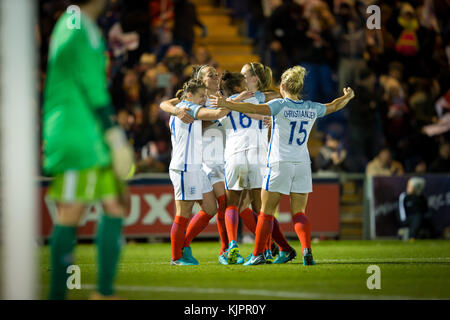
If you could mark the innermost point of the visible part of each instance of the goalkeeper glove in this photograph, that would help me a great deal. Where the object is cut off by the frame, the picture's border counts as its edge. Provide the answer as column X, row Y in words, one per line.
column 121, row 151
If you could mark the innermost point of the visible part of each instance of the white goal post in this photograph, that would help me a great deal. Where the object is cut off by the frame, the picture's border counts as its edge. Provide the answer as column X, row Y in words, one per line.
column 18, row 149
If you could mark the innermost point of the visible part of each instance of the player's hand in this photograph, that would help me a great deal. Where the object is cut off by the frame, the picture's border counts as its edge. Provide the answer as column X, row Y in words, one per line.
column 121, row 151
column 183, row 115
column 348, row 93
column 244, row 95
column 218, row 101
column 268, row 122
column 223, row 112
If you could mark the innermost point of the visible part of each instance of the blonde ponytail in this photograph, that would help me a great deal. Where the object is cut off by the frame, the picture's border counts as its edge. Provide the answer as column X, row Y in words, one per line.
column 293, row 79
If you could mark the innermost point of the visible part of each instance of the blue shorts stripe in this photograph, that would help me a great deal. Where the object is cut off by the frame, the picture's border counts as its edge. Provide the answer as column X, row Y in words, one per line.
column 268, row 179
column 225, row 178
column 182, row 185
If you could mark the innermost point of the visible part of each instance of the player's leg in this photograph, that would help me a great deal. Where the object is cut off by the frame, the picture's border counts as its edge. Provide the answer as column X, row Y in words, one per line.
column 188, row 187
column 199, row 222
column 256, row 203
column 109, row 243
column 277, row 181
column 71, row 190
column 264, row 226
column 231, row 222
column 219, row 193
column 178, row 231
column 62, row 243
column 277, row 235
column 302, row 225
column 248, row 216
column 301, row 186
column 115, row 200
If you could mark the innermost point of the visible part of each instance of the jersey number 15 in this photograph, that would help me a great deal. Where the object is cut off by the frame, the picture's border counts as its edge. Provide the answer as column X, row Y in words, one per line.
column 302, row 129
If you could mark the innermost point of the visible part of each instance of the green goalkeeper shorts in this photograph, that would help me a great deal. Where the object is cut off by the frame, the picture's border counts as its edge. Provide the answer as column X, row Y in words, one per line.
column 87, row 185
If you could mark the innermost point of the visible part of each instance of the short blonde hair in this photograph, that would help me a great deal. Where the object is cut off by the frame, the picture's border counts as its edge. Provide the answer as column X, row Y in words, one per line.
column 293, row 79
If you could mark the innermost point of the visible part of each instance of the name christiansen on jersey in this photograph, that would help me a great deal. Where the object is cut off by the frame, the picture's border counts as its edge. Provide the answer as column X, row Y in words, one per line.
column 299, row 114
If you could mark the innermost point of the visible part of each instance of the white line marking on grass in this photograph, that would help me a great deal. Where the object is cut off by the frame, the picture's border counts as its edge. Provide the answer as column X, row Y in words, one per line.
column 319, row 261
column 251, row 292
column 369, row 260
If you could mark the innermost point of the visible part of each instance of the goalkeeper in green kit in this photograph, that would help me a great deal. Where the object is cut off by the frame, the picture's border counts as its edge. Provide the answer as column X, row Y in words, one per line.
column 84, row 150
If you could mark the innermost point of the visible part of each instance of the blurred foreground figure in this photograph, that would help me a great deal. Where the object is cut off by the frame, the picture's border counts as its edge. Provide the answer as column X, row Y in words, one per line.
column 84, row 150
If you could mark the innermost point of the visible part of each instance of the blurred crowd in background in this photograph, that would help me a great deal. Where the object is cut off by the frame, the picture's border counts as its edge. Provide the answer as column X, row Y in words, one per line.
column 399, row 121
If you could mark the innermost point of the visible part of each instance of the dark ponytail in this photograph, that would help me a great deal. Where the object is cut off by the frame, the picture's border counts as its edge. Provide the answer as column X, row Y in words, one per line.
column 229, row 81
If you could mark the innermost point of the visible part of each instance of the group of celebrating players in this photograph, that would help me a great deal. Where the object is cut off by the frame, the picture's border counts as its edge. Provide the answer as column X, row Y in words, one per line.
column 237, row 143
column 222, row 157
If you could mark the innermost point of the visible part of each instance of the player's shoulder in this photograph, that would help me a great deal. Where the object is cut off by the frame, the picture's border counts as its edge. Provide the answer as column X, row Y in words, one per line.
column 260, row 96
column 67, row 34
column 64, row 31
column 319, row 107
column 278, row 101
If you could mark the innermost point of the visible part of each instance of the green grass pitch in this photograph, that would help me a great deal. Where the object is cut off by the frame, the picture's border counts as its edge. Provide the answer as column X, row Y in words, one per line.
column 418, row 270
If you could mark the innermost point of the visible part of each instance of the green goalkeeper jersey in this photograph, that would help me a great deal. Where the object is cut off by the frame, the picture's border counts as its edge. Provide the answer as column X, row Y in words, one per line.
column 76, row 85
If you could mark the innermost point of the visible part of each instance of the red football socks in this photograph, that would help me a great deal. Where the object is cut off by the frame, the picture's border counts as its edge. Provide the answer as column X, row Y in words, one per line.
column 279, row 238
column 177, row 234
column 263, row 230
column 303, row 229
column 221, row 227
column 231, row 221
column 250, row 218
column 196, row 225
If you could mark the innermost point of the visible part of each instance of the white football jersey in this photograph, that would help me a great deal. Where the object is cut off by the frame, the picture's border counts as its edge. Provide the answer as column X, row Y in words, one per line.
column 244, row 133
column 213, row 142
column 292, row 121
column 186, row 140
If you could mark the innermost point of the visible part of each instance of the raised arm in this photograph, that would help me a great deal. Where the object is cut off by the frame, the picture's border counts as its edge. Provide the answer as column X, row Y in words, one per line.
column 211, row 114
column 182, row 113
column 242, row 107
column 255, row 116
column 341, row 102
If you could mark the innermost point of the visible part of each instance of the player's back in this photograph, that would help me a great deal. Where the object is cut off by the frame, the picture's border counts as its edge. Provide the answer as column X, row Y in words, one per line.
column 75, row 85
column 242, row 132
column 292, row 121
column 186, row 140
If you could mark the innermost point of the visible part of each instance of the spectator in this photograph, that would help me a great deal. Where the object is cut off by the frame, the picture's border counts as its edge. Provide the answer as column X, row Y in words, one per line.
column 363, row 121
column 317, row 54
column 424, row 94
column 162, row 19
column 384, row 165
column 421, row 167
column 349, row 34
column 131, row 88
column 153, row 142
column 285, row 27
column 440, row 125
column 397, row 116
column 202, row 56
column 442, row 163
column 413, row 208
column 185, row 21
column 332, row 157
column 126, row 120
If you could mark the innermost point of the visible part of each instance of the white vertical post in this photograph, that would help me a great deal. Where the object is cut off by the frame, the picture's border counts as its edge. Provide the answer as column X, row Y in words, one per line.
column 18, row 148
